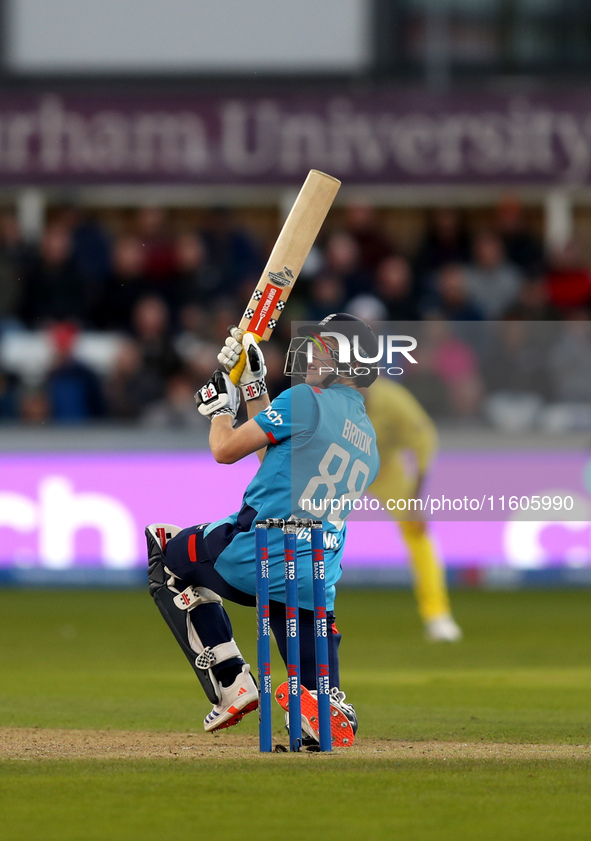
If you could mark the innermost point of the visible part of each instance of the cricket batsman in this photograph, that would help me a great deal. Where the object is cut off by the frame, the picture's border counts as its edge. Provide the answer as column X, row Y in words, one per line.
column 309, row 461
column 401, row 424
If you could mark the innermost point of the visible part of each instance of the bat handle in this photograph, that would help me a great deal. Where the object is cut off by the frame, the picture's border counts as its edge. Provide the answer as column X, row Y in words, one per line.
column 237, row 370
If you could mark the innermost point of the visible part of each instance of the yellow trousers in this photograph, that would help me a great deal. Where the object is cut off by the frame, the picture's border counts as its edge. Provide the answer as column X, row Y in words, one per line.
column 428, row 570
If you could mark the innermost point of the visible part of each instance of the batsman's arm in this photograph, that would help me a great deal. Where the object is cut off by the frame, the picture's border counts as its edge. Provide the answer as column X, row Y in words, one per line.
column 252, row 378
column 229, row 444
column 253, row 407
column 219, row 400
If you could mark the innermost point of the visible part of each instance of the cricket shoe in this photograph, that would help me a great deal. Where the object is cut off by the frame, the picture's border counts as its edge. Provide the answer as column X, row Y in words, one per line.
column 343, row 720
column 238, row 699
column 443, row 629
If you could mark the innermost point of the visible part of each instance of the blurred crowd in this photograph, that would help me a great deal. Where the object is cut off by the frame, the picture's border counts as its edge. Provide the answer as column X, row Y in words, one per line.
column 166, row 295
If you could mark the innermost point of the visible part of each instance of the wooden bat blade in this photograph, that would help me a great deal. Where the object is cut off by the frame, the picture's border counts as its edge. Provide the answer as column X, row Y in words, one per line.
column 289, row 254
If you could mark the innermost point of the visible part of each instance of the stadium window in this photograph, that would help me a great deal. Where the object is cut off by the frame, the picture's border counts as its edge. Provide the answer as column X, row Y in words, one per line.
column 462, row 37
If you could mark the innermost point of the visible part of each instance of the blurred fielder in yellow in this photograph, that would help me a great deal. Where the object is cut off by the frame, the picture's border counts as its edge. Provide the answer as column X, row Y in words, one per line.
column 404, row 429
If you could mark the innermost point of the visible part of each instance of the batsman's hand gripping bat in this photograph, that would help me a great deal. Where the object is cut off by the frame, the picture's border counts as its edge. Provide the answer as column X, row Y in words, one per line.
column 287, row 258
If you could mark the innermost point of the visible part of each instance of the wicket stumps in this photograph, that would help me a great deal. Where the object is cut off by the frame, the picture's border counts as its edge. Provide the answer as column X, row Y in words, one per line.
column 290, row 529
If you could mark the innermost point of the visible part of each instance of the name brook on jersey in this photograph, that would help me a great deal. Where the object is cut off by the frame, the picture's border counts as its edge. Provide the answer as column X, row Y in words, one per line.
column 357, row 437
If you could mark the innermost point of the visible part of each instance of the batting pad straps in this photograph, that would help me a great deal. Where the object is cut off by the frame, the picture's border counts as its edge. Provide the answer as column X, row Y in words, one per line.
column 218, row 654
column 192, row 597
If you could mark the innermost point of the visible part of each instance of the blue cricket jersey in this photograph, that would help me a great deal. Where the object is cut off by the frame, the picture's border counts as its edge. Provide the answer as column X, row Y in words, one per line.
column 321, row 456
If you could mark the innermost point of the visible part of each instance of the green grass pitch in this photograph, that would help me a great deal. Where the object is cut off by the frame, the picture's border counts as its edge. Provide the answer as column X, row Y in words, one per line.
column 487, row 739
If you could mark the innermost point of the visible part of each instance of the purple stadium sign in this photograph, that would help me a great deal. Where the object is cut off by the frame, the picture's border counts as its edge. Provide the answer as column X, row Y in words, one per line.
column 59, row 512
column 397, row 137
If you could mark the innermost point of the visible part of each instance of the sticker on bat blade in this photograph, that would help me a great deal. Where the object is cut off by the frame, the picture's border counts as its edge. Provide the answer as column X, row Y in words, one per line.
column 265, row 308
column 283, row 278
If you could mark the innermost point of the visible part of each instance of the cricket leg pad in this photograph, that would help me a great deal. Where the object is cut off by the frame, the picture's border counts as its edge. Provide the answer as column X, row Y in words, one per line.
column 164, row 588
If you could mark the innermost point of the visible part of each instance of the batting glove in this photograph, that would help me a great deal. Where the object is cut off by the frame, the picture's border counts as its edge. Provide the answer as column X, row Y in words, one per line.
column 230, row 353
column 219, row 396
column 252, row 381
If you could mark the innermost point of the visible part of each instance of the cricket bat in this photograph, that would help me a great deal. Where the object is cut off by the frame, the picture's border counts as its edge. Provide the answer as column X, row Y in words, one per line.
column 287, row 258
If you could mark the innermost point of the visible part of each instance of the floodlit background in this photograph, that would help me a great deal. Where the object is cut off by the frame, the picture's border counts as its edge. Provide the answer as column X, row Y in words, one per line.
column 149, row 152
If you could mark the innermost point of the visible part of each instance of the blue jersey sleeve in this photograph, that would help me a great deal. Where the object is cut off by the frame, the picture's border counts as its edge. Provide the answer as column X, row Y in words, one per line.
column 293, row 414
